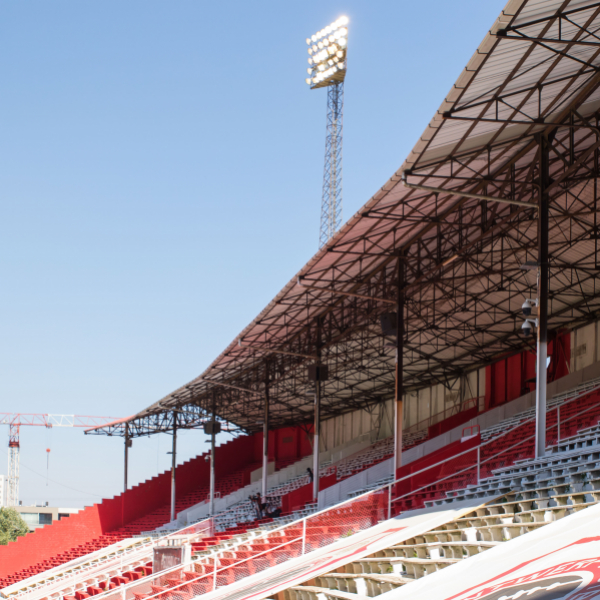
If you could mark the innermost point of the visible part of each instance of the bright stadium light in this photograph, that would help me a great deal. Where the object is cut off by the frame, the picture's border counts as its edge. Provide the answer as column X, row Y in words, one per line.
column 330, row 41
column 327, row 60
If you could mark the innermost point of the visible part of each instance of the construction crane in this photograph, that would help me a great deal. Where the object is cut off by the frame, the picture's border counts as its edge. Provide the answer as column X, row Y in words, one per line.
column 17, row 420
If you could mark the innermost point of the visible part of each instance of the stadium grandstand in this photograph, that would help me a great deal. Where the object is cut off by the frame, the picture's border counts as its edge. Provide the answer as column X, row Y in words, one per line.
column 385, row 403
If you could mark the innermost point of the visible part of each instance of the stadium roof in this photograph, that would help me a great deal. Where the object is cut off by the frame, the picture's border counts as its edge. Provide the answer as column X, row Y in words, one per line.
column 465, row 259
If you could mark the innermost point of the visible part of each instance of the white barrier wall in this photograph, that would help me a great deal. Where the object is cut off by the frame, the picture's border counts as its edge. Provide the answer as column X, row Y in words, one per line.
column 418, row 406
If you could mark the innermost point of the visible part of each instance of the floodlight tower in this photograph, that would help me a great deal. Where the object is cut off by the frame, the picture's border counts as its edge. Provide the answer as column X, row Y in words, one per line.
column 327, row 60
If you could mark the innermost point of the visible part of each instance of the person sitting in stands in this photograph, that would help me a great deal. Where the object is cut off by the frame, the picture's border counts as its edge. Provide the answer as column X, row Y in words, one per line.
column 259, row 506
column 271, row 510
column 310, row 474
column 255, row 503
column 274, row 513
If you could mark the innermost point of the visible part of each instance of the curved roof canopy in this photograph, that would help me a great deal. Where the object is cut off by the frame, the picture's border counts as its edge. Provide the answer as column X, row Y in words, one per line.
column 460, row 236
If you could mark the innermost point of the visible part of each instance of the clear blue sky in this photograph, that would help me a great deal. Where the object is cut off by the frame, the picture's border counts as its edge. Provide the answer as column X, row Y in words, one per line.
column 160, row 181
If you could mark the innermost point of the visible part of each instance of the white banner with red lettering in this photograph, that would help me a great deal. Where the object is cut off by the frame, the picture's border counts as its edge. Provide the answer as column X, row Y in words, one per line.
column 560, row 561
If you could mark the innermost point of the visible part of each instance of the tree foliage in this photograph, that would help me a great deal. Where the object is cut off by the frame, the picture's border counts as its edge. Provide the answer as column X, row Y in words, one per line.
column 12, row 525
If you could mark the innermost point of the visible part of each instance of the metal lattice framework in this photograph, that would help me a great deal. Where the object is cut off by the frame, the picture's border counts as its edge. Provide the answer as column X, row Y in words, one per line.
column 17, row 420
column 331, row 204
column 451, row 231
column 12, row 489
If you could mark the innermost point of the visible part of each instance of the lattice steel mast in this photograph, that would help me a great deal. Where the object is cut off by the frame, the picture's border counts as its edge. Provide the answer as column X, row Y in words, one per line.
column 327, row 50
column 331, row 203
column 14, row 447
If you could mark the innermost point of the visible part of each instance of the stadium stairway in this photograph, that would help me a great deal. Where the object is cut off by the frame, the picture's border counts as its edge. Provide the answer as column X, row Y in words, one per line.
column 530, row 495
column 509, row 439
column 525, row 497
column 505, row 443
column 53, row 545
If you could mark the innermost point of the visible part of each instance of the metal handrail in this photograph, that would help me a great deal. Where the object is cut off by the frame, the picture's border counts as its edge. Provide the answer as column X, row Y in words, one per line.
column 478, row 448
column 428, row 421
column 216, row 571
column 216, row 555
column 131, row 554
column 388, row 486
column 67, row 572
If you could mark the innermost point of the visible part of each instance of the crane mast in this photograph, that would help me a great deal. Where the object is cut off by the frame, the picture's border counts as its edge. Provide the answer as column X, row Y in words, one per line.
column 12, row 488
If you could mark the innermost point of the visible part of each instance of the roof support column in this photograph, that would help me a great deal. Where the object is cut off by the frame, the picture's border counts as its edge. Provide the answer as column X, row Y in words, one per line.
column 173, row 465
column 212, row 457
column 398, row 408
column 542, row 328
column 126, row 465
column 126, row 457
column 317, row 432
column 265, row 462
column 318, row 374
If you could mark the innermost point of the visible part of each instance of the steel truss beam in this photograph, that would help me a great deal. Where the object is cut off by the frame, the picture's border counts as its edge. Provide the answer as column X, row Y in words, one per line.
column 462, row 252
column 564, row 22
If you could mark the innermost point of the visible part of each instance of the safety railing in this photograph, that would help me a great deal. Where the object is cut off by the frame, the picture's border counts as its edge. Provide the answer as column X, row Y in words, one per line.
column 115, row 560
column 471, row 466
column 443, row 414
column 289, row 541
column 255, row 554
column 470, row 431
column 73, row 568
column 259, row 552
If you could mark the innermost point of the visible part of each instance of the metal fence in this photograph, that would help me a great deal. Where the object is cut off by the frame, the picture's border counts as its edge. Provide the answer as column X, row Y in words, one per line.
column 255, row 554
column 258, row 553
column 65, row 578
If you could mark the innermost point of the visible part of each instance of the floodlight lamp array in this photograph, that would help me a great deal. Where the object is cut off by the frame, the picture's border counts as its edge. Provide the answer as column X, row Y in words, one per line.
column 327, row 54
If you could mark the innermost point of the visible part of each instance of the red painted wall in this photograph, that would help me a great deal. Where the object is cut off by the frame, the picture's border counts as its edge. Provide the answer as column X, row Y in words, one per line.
column 110, row 514
column 287, row 444
column 296, row 499
column 434, row 473
column 328, row 481
column 452, row 422
column 58, row 537
column 514, row 376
